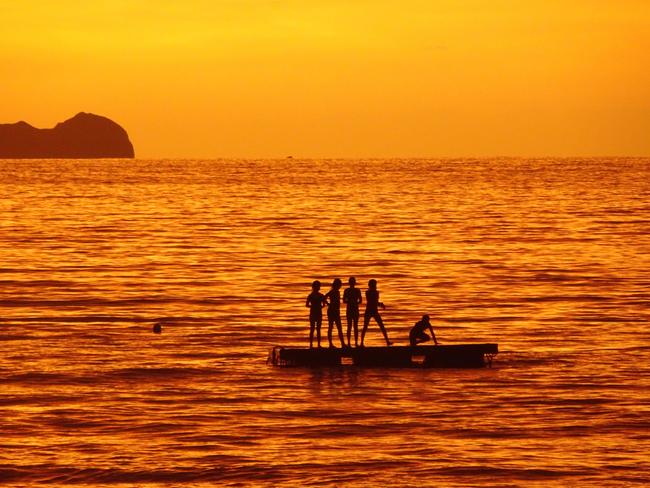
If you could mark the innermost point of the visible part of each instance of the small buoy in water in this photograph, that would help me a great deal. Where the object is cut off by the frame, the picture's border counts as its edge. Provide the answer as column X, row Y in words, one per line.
column 157, row 328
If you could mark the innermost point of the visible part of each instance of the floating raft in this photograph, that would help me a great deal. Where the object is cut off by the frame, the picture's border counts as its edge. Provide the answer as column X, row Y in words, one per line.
column 453, row 356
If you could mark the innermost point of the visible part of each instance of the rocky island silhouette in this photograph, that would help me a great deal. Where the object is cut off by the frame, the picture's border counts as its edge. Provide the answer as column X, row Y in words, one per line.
column 83, row 136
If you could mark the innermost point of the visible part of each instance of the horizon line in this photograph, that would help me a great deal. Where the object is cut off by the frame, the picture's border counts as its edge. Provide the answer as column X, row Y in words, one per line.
column 498, row 156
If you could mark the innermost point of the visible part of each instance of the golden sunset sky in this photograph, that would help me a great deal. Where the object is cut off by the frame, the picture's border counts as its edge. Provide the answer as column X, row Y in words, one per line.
column 332, row 78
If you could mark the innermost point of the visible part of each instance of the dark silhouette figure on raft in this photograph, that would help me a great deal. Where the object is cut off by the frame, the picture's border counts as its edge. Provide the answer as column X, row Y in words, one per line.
column 352, row 298
column 372, row 311
column 315, row 303
column 417, row 334
column 333, row 298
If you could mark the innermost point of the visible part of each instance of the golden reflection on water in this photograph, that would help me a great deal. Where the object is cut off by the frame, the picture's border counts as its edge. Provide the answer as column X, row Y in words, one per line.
column 547, row 258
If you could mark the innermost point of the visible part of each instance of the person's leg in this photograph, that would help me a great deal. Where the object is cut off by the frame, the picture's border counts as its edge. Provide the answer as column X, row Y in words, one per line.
column 422, row 338
column 311, row 333
column 366, row 321
column 356, row 331
column 349, row 319
column 330, row 325
column 339, row 326
column 319, row 322
column 383, row 329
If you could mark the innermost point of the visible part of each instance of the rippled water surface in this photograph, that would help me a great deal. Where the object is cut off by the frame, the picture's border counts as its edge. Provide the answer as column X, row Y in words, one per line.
column 549, row 258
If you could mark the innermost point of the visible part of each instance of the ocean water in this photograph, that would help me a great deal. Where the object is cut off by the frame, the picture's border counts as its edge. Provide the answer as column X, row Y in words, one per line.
column 548, row 258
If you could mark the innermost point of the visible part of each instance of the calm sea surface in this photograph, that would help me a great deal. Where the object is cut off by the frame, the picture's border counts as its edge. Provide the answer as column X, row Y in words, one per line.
column 549, row 258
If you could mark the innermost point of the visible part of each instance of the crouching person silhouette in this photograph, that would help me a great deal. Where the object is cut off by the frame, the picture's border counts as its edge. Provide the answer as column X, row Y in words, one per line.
column 417, row 334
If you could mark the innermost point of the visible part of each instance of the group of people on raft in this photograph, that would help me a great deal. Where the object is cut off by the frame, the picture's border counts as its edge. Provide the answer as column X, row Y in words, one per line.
column 316, row 301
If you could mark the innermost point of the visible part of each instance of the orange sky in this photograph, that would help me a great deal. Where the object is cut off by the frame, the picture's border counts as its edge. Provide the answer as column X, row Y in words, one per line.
column 335, row 78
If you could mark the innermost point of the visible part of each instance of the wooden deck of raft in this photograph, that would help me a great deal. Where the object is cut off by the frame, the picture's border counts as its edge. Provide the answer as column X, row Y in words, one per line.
column 452, row 356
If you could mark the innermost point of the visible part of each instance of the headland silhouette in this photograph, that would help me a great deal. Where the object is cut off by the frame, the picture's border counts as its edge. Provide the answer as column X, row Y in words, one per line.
column 81, row 137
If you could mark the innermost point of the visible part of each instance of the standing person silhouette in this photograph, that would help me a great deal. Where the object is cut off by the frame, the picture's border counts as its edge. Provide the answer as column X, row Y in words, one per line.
column 315, row 303
column 352, row 298
column 333, row 298
column 372, row 311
